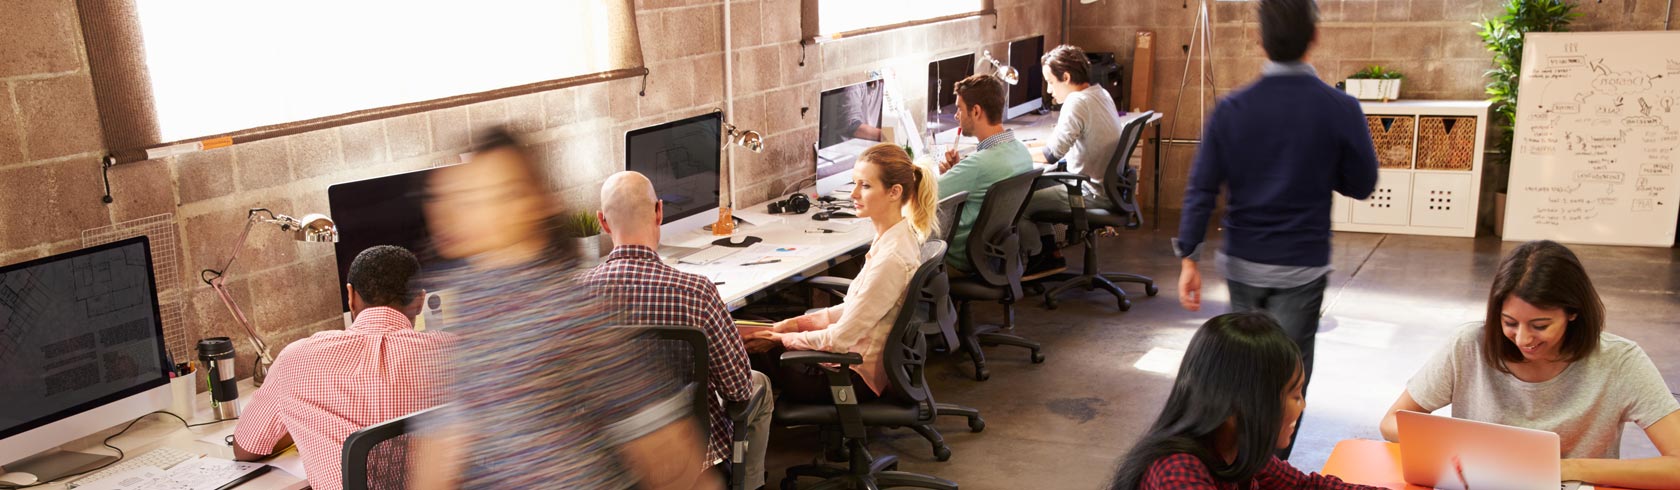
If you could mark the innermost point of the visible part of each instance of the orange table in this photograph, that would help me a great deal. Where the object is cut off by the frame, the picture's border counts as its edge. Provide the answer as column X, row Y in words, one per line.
column 1375, row 463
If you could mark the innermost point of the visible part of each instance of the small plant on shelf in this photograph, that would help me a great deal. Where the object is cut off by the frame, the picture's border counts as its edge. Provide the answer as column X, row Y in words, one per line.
column 1374, row 83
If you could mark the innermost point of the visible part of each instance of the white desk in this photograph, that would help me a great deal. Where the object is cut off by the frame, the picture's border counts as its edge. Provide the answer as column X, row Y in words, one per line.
column 811, row 253
column 162, row 430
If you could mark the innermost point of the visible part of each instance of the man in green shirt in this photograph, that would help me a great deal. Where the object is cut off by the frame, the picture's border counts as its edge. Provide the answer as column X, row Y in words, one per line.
column 999, row 156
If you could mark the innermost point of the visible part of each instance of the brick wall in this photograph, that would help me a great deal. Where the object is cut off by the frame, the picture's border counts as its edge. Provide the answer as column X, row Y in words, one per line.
column 50, row 142
column 1430, row 41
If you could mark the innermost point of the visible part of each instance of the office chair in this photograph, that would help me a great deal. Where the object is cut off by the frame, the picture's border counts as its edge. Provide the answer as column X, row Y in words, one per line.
column 994, row 247
column 677, row 345
column 907, row 402
column 934, row 316
column 376, row 457
column 1119, row 185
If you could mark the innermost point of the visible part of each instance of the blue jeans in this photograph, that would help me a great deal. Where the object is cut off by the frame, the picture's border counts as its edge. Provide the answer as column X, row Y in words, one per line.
column 1297, row 310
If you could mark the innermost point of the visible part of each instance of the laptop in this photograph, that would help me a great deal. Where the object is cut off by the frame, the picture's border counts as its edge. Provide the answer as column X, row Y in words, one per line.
column 1457, row 454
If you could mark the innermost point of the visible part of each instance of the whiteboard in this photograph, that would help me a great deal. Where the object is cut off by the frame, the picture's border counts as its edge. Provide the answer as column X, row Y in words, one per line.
column 1596, row 139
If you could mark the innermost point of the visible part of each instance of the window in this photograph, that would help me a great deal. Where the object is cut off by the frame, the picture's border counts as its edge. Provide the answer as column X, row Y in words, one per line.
column 249, row 70
column 833, row 19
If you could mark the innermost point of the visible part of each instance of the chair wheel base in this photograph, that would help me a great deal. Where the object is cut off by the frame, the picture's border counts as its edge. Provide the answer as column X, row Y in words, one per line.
column 982, row 374
column 976, row 424
column 1151, row 290
column 1038, row 357
column 1125, row 304
column 942, row 453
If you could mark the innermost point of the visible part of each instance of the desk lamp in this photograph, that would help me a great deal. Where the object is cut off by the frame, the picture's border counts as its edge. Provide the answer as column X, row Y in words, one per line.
column 312, row 228
column 1005, row 72
column 753, row 142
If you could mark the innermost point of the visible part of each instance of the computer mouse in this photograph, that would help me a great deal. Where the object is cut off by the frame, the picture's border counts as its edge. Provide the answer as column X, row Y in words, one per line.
column 841, row 214
column 18, row 479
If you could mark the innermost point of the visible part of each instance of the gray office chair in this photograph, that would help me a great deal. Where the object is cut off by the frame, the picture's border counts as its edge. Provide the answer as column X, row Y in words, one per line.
column 376, row 457
column 907, row 402
column 994, row 247
column 1119, row 185
column 683, row 356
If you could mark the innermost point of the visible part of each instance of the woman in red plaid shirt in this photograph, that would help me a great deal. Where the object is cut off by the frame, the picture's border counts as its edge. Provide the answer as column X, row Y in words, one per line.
column 1234, row 405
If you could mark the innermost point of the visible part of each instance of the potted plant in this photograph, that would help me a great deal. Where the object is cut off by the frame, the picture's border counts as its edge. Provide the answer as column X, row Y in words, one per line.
column 1503, row 36
column 1374, row 83
column 582, row 227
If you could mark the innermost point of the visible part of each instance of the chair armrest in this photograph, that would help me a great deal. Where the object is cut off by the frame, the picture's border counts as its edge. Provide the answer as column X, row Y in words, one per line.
column 830, row 284
column 739, row 411
column 1066, row 177
column 817, row 357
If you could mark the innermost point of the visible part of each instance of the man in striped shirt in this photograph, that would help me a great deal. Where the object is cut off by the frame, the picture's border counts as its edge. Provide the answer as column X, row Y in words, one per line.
column 330, row 385
column 633, row 278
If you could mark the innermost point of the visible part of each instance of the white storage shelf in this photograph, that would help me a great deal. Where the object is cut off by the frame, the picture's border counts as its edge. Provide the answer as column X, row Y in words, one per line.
column 1416, row 201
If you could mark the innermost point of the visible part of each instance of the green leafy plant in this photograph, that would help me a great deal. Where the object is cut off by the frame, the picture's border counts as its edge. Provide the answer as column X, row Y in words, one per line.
column 1503, row 36
column 581, row 224
column 1376, row 72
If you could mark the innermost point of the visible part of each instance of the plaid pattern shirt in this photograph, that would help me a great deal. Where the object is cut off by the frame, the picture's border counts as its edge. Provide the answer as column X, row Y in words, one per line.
column 1183, row 471
column 327, row 386
column 651, row 293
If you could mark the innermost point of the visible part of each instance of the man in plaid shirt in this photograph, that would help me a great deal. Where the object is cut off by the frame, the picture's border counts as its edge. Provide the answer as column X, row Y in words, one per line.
column 330, row 385
column 632, row 277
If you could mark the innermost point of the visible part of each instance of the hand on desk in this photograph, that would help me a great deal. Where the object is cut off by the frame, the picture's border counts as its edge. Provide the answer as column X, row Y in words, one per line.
column 760, row 346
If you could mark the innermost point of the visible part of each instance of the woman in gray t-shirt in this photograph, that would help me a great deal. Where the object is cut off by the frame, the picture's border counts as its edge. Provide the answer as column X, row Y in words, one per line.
column 1542, row 361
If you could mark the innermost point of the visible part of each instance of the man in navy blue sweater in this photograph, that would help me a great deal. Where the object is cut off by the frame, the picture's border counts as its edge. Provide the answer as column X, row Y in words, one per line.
column 1279, row 147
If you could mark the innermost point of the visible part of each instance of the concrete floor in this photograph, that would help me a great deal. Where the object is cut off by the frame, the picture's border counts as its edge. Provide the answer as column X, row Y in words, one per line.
column 1392, row 301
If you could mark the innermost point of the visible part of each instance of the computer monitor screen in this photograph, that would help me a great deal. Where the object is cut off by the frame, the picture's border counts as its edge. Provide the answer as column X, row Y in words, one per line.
column 1027, row 95
column 682, row 158
column 850, row 122
column 387, row 210
column 78, row 331
column 943, row 76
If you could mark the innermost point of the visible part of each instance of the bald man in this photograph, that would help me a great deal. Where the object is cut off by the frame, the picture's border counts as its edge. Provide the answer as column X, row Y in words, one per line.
column 633, row 278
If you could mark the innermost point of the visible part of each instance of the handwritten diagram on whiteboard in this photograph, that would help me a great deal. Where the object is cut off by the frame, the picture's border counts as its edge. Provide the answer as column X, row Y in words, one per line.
column 1597, row 136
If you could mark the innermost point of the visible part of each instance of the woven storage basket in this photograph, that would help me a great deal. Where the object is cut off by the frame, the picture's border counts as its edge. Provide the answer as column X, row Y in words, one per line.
column 1446, row 143
column 1392, row 136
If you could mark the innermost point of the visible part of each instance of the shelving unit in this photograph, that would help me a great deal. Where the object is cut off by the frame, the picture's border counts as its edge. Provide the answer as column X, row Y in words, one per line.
column 1436, row 190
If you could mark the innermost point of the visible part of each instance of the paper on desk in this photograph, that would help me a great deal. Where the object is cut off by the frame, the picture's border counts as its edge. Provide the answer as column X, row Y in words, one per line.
column 763, row 250
column 192, row 474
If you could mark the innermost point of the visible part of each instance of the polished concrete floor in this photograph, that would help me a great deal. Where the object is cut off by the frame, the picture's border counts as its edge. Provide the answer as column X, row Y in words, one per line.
column 1392, row 300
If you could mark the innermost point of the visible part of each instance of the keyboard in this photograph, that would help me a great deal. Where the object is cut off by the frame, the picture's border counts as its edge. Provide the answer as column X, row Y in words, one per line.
column 162, row 458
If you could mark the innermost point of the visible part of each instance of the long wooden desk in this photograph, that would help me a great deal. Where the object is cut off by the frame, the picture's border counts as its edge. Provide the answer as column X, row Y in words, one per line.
column 795, row 240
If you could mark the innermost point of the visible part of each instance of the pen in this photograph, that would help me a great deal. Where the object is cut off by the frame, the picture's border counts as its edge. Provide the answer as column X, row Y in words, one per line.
column 719, row 283
column 820, row 230
column 766, row 261
column 246, row 477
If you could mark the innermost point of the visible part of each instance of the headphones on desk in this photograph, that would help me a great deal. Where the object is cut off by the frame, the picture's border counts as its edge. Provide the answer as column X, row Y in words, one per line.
column 794, row 204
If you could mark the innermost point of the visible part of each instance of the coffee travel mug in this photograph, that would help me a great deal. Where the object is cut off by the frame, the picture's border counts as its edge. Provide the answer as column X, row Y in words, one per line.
column 215, row 354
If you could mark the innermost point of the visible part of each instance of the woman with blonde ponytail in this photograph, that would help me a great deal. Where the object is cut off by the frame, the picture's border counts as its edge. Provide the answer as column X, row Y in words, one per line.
column 898, row 197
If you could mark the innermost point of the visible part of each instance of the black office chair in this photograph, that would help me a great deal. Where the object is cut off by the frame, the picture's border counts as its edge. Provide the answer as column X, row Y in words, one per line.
column 682, row 350
column 907, row 402
column 376, row 457
column 994, row 247
column 1119, row 185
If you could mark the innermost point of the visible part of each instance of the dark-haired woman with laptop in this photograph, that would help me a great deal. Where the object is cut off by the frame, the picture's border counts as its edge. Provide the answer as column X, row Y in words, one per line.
column 1235, row 403
column 1542, row 360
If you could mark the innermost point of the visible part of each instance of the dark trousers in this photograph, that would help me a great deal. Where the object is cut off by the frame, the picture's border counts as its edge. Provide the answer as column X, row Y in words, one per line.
column 1297, row 310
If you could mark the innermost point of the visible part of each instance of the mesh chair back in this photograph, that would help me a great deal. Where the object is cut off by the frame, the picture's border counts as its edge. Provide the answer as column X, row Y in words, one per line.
column 1120, row 180
column 906, row 350
column 377, row 457
column 949, row 213
column 678, row 352
column 994, row 246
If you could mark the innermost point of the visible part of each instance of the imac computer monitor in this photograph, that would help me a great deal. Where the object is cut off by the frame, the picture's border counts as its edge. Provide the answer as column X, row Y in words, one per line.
column 387, row 210
column 683, row 159
column 1027, row 95
column 81, row 348
column 943, row 76
column 850, row 122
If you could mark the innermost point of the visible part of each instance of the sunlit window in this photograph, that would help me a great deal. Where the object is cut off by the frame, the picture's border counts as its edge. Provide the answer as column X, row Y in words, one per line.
column 836, row 17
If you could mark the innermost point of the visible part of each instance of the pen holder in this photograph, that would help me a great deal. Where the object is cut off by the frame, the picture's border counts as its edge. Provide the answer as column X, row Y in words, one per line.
column 183, row 392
